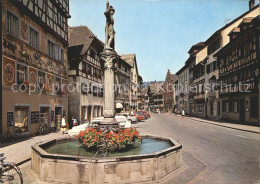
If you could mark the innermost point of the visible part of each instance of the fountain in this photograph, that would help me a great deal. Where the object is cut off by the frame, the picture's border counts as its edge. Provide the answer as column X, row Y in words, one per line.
column 150, row 160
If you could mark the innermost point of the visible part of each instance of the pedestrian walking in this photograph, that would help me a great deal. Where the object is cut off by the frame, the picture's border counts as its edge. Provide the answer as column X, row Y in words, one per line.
column 74, row 121
column 183, row 113
column 63, row 125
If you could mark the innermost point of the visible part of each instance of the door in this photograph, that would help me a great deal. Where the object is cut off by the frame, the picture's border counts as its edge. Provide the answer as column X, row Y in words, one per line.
column 242, row 109
column 89, row 113
column 58, row 116
column 218, row 108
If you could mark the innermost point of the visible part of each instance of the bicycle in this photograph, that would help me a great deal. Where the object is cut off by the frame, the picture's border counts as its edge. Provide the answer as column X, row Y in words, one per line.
column 43, row 129
column 9, row 172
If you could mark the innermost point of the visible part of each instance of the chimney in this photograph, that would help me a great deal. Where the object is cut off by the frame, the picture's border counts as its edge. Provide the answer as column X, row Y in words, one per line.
column 251, row 4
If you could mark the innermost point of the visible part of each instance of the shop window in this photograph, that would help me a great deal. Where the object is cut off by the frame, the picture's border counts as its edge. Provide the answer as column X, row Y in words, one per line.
column 254, row 107
column 33, row 38
column 231, row 106
column 21, row 119
column 235, row 106
column 12, row 22
column 200, row 108
column 224, row 106
column 21, row 74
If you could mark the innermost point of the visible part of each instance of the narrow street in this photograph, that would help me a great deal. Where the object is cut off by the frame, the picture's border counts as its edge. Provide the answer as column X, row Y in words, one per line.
column 211, row 154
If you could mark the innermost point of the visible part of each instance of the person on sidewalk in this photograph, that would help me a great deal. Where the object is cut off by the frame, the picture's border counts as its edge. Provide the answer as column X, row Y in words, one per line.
column 74, row 121
column 63, row 125
column 183, row 113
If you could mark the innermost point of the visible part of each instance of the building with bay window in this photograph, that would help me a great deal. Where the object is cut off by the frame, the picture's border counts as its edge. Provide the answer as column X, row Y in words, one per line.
column 34, row 58
column 85, row 75
column 239, row 73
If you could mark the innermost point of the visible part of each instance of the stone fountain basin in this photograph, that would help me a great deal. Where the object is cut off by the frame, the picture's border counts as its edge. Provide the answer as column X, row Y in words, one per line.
column 144, row 168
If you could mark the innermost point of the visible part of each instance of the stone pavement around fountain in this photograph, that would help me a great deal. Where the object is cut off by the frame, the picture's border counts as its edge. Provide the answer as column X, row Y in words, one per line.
column 20, row 151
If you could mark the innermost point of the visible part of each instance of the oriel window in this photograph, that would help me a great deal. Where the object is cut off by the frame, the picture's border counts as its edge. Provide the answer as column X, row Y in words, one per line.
column 12, row 24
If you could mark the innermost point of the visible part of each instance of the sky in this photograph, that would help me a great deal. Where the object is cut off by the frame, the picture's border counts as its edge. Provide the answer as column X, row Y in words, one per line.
column 159, row 32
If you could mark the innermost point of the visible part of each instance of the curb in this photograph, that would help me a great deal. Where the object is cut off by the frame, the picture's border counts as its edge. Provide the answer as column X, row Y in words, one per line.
column 212, row 123
column 23, row 161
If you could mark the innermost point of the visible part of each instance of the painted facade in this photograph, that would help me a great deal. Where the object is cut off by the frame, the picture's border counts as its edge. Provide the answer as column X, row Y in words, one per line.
column 34, row 65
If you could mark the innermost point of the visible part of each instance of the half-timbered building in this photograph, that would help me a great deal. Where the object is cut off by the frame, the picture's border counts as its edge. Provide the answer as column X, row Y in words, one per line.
column 239, row 73
column 123, row 83
column 85, row 72
column 34, row 58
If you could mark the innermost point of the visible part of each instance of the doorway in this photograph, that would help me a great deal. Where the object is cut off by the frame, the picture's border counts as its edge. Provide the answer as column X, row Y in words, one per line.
column 58, row 116
column 242, row 109
column 45, row 114
column 89, row 113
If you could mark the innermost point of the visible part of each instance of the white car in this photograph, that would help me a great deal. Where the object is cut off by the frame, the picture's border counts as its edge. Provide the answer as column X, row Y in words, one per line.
column 128, row 116
column 76, row 129
column 123, row 122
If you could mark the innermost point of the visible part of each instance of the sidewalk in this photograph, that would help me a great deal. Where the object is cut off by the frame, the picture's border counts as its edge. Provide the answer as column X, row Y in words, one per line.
column 20, row 152
column 247, row 128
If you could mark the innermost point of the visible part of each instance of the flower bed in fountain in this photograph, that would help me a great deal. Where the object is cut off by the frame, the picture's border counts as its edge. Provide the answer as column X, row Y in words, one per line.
column 153, row 167
column 93, row 139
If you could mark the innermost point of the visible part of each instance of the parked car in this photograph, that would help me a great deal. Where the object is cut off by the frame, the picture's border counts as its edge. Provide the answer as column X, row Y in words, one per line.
column 123, row 122
column 145, row 113
column 128, row 116
column 140, row 116
column 76, row 129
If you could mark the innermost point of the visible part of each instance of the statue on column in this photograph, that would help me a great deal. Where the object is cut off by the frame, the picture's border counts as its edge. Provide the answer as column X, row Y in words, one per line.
column 110, row 32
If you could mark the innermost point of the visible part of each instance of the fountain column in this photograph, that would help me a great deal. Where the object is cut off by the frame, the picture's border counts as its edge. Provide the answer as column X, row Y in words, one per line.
column 109, row 87
column 109, row 56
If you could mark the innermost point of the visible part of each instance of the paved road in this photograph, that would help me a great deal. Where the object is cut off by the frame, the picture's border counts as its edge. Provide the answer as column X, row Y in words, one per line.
column 211, row 154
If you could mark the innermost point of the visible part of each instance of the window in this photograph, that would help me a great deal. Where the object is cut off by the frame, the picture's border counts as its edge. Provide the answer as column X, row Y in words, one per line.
column 21, row 74
column 254, row 107
column 83, row 66
column 34, row 38
column 41, row 78
column 89, row 70
column 98, row 74
column 101, row 92
column 94, row 72
column 12, row 24
column 94, row 90
column 55, row 51
column 51, row 48
column 21, row 118
column 60, row 20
